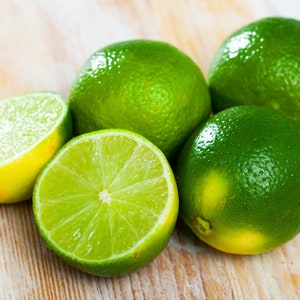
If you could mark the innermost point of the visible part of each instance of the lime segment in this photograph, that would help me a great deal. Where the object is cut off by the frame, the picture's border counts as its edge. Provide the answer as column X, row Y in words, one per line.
column 107, row 203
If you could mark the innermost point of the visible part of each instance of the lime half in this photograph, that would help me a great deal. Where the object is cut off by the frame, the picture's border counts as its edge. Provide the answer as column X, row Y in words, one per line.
column 107, row 203
column 33, row 127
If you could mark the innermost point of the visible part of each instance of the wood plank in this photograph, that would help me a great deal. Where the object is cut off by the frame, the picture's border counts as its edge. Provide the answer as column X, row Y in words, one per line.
column 43, row 44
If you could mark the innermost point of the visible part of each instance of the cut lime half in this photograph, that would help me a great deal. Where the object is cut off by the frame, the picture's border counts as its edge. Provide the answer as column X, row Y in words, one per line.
column 107, row 203
column 33, row 127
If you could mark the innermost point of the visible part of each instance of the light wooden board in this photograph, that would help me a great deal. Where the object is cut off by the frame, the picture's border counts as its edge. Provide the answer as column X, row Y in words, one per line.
column 43, row 44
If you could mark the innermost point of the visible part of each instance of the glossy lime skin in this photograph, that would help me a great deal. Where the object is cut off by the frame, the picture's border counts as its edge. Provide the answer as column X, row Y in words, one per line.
column 259, row 64
column 240, row 173
column 146, row 86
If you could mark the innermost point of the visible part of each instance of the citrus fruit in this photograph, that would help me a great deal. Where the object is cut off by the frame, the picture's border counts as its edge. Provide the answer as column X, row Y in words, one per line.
column 238, row 179
column 259, row 65
column 107, row 202
column 33, row 127
column 146, row 86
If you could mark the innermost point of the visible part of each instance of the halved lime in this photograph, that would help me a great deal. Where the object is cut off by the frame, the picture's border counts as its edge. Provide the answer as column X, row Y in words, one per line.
column 33, row 127
column 107, row 203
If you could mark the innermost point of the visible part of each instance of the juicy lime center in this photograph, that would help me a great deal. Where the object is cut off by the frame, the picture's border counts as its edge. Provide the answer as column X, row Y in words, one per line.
column 105, row 196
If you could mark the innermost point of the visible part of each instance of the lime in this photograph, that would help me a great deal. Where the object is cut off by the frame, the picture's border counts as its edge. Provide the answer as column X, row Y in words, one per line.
column 107, row 203
column 33, row 127
column 259, row 65
column 238, row 179
column 149, row 87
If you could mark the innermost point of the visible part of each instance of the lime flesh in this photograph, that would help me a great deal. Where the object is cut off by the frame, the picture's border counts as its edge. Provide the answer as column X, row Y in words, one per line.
column 107, row 203
column 25, row 120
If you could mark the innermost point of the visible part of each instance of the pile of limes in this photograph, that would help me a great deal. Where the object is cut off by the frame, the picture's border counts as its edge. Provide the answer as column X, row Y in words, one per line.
column 107, row 200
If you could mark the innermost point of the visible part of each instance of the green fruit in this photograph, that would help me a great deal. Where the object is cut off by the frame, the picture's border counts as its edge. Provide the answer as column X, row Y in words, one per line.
column 259, row 65
column 238, row 179
column 107, row 203
column 148, row 87
column 33, row 127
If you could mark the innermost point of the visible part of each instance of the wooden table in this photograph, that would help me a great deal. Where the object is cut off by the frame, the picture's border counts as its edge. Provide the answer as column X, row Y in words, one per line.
column 43, row 44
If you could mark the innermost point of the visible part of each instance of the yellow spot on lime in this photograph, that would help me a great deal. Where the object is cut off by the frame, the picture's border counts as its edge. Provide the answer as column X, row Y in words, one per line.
column 247, row 240
column 214, row 192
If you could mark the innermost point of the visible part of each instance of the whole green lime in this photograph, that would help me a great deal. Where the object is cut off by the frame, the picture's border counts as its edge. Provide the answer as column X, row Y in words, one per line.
column 259, row 64
column 149, row 87
column 238, row 178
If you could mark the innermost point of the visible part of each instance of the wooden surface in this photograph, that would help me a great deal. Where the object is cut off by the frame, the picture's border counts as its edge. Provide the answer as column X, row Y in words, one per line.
column 43, row 44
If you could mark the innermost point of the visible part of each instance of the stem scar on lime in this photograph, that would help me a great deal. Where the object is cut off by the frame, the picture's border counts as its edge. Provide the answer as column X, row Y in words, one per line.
column 202, row 226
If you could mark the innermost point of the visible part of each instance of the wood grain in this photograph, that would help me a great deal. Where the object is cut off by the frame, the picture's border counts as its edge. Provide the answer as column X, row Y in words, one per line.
column 43, row 44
